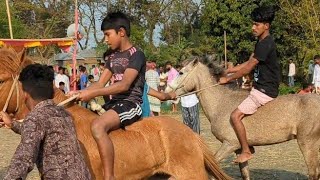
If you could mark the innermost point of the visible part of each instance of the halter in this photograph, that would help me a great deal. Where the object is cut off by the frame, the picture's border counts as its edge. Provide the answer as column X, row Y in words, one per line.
column 14, row 85
column 193, row 92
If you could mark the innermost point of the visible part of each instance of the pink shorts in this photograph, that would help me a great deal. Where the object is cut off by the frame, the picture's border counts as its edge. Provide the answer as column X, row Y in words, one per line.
column 254, row 101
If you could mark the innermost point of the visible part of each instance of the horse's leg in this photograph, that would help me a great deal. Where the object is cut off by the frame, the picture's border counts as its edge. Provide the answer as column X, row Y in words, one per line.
column 244, row 169
column 224, row 151
column 310, row 150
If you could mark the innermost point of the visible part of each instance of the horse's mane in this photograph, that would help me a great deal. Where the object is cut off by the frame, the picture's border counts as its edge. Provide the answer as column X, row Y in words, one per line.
column 10, row 60
column 216, row 70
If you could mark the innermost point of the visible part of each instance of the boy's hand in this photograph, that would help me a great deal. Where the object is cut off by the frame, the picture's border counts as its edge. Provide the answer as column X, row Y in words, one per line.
column 5, row 120
column 223, row 80
column 71, row 93
column 85, row 95
column 172, row 95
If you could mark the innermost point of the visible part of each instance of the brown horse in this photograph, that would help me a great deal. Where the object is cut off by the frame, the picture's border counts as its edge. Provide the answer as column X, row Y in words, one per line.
column 283, row 119
column 148, row 147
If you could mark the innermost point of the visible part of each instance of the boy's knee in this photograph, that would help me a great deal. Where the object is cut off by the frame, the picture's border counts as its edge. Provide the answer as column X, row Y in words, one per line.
column 98, row 128
column 235, row 116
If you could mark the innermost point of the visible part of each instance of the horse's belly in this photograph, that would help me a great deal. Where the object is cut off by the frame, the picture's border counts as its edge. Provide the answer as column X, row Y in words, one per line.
column 135, row 154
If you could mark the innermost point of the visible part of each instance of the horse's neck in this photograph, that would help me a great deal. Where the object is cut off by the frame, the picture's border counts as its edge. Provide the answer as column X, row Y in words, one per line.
column 210, row 98
column 213, row 98
column 59, row 96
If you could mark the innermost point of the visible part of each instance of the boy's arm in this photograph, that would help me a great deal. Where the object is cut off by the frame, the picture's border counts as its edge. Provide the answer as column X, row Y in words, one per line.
column 238, row 67
column 250, row 64
column 161, row 95
column 16, row 127
column 27, row 151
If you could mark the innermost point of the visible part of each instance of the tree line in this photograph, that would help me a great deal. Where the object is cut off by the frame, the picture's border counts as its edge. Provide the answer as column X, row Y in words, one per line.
column 185, row 27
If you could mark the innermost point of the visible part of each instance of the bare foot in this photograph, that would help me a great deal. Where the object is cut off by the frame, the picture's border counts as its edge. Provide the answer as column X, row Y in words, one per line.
column 243, row 157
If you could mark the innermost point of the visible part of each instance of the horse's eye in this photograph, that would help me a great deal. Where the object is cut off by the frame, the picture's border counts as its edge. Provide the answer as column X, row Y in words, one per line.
column 1, row 82
column 180, row 73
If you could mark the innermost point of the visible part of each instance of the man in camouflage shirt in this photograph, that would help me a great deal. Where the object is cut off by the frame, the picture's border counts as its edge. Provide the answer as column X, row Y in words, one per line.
column 48, row 136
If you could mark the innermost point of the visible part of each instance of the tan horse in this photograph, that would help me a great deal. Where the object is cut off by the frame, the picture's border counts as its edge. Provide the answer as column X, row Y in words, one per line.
column 286, row 118
column 148, row 147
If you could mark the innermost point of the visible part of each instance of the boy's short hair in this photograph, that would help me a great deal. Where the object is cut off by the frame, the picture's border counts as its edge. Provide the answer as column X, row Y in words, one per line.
column 82, row 69
column 61, row 83
column 316, row 57
column 37, row 80
column 90, row 77
column 116, row 20
column 264, row 14
column 60, row 68
column 305, row 85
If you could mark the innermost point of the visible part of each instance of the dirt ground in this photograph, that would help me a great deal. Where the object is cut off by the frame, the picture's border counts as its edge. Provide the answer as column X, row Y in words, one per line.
column 283, row 161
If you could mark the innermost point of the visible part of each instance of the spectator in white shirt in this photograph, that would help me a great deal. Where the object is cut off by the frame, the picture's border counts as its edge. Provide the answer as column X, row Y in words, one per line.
column 60, row 77
column 316, row 73
column 292, row 73
column 190, row 112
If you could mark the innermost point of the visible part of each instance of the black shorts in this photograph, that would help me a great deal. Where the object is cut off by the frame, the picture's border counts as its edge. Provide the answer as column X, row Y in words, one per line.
column 129, row 112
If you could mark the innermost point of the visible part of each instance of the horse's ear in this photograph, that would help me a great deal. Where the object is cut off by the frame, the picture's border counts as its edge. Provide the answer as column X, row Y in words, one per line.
column 195, row 61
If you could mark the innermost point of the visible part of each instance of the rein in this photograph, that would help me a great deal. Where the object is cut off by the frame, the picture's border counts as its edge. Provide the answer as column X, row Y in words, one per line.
column 60, row 104
column 14, row 85
column 193, row 92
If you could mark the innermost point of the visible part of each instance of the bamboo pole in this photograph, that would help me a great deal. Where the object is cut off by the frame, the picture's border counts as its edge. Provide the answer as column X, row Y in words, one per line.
column 9, row 19
column 74, row 56
column 225, row 49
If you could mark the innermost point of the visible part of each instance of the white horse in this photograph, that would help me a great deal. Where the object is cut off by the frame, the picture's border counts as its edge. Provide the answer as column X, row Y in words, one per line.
column 285, row 118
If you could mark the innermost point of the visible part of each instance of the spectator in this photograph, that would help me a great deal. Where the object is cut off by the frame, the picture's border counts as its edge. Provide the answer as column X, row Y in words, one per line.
column 83, row 82
column 292, row 73
column 90, row 80
column 61, row 86
column 306, row 88
column 61, row 77
column 95, row 72
column 163, row 79
column 172, row 74
column 190, row 110
column 316, row 74
column 83, row 78
column 153, row 81
column 310, row 71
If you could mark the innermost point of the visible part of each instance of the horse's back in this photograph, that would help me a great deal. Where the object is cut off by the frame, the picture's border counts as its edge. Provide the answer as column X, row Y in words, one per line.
column 279, row 120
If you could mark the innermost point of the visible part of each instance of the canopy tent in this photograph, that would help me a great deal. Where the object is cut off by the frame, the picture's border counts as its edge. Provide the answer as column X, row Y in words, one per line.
column 63, row 43
column 27, row 43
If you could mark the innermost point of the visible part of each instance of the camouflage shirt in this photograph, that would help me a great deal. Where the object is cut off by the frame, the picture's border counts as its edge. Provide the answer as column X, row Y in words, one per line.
column 48, row 138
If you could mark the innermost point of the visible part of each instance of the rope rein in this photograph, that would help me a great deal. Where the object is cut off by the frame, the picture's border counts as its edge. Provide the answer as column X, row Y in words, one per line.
column 193, row 92
column 60, row 104
column 14, row 84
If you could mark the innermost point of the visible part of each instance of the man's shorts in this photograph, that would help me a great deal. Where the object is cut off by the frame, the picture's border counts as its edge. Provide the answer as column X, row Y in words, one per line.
column 254, row 101
column 129, row 112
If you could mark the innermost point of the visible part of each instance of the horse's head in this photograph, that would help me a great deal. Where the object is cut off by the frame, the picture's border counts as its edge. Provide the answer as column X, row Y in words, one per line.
column 11, row 63
column 197, row 72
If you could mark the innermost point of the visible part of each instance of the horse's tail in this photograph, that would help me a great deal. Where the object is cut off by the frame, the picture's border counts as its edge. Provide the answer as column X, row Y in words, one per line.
column 210, row 162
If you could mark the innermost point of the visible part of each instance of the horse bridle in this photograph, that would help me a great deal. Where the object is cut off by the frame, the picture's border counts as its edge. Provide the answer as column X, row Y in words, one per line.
column 180, row 86
column 16, row 86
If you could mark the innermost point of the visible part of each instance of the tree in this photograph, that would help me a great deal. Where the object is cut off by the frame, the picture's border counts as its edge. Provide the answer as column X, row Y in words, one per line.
column 18, row 28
